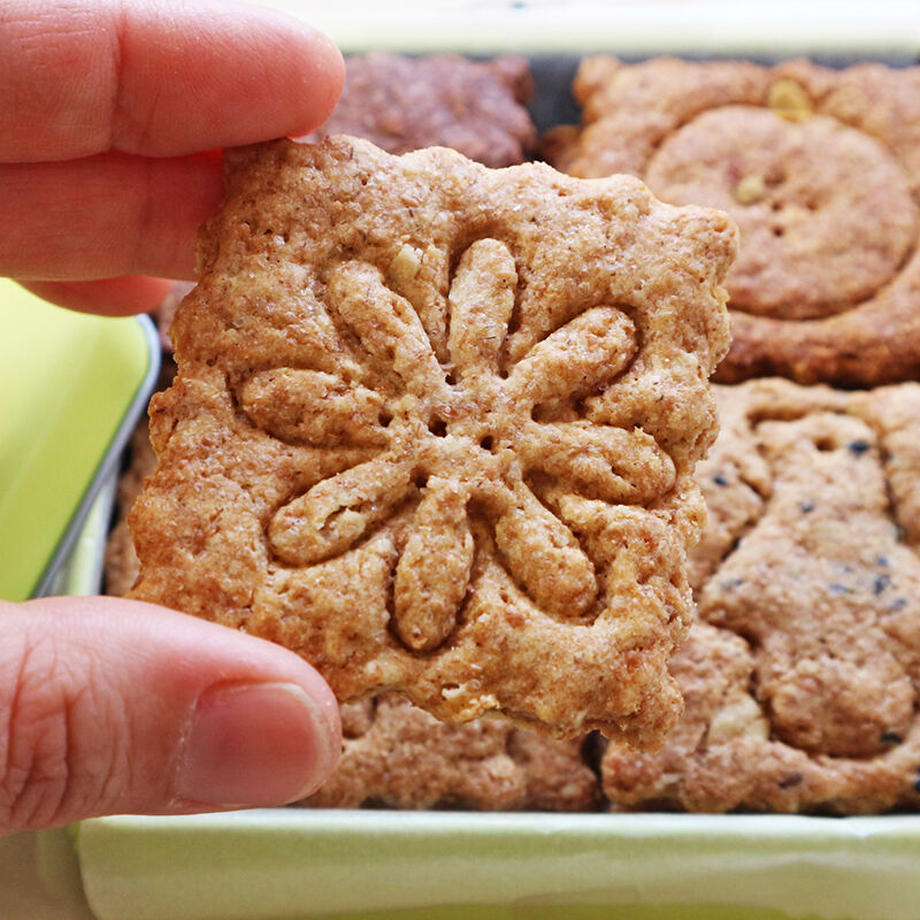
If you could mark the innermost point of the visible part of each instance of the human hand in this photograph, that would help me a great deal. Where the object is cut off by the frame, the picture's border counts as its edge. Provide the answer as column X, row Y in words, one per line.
column 112, row 113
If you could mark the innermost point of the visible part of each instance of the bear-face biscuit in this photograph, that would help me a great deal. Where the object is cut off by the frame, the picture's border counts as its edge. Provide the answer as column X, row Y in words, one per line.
column 434, row 428
column 821, row 171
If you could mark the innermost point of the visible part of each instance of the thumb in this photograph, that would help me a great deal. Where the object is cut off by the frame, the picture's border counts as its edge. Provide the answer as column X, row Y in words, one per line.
column 114, row 706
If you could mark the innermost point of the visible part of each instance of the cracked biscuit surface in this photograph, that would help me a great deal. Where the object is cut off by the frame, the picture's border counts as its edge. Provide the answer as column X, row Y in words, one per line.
column 434, row 428
column 820, row 169
column 802, row 678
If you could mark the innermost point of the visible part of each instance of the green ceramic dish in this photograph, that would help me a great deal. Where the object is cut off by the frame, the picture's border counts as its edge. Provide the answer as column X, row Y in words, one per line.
column 72, row 387
column 379, row 865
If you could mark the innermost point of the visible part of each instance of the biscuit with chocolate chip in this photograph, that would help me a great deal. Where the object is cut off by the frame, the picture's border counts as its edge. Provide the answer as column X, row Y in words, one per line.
column 821, row 171
column 434, row 428
column 802, row 680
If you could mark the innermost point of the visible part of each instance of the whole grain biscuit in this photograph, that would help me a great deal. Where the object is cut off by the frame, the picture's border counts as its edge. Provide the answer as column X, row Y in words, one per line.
column 820, row 169
column 399, row 756
column 802, row 680
column 434, row 428
column 405, row 103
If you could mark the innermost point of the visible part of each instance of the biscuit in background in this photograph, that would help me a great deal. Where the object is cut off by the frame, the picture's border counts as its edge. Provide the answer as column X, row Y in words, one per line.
column 820, row 169
column 405, row 103
column 398, row 756
column 802, row 677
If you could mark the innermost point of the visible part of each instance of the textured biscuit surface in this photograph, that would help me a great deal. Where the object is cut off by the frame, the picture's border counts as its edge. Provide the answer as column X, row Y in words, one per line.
column 399, row 756
column 821, row 171
column 802, row 678
column 434, row 428
column 444, row 100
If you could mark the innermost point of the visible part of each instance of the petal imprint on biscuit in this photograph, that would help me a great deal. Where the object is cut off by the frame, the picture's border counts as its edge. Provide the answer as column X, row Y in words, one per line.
column 600, row 461
column 434, row 429
column 481, row 303
column 338, row 511
column 310, row 406
column 387, row 325
column 581, row 357
column 545, row 556
column 434, row 569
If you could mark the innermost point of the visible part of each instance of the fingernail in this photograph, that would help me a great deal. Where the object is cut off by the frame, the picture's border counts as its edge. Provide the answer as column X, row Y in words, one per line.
column 255, row 744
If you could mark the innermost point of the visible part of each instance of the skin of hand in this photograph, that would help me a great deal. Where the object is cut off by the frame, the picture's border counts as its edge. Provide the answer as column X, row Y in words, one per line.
column 113, row 117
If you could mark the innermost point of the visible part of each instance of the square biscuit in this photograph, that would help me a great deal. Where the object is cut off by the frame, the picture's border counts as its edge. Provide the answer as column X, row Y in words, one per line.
column 434, row 427
column 802, row 677
column 820, row 168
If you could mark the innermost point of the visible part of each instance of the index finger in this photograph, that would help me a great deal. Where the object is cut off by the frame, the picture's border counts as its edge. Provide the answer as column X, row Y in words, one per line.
column 156, row 78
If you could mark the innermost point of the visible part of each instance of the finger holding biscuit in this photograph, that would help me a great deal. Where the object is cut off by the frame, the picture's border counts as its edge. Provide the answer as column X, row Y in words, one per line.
column 112, row 117
column 107, row 172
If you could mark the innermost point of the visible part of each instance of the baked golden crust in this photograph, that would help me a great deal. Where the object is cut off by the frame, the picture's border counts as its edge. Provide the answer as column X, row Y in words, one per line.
column 434, row 428
column 399, row 756
column 821, row 171
column 802, row 679
column 166, row 312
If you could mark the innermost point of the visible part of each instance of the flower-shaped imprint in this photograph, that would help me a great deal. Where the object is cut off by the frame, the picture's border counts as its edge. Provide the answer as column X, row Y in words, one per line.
column 820, row 170
column 802, row 683
column 434, row 427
